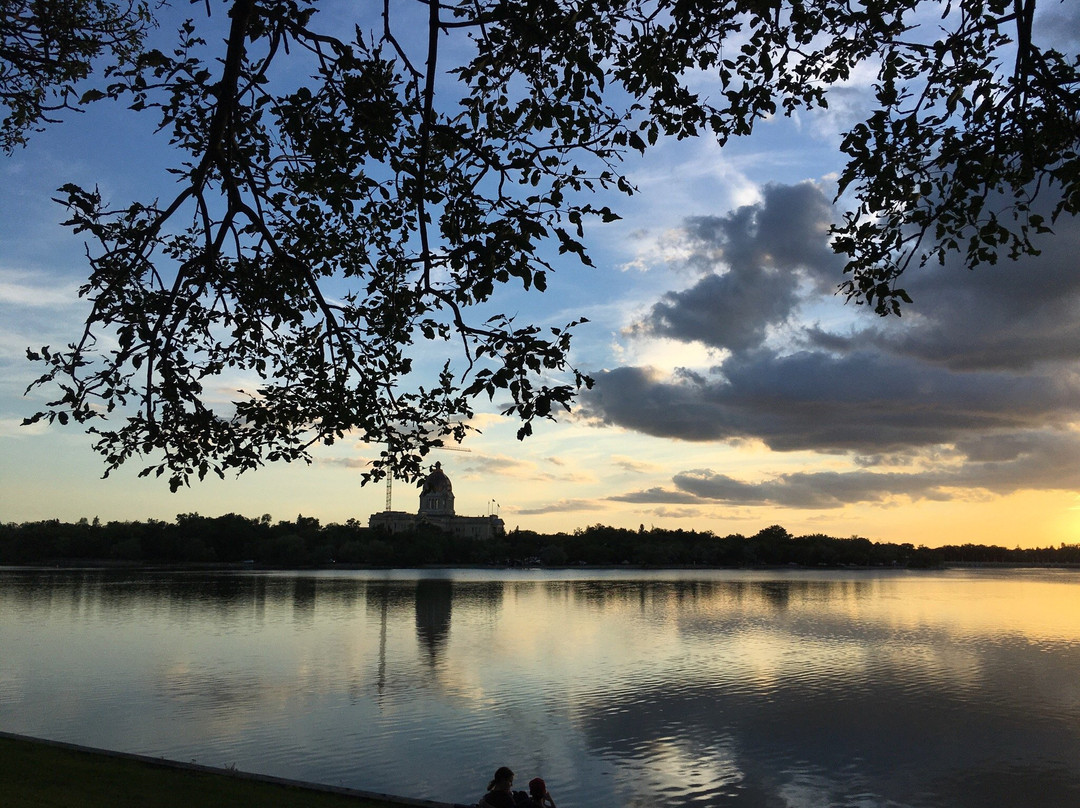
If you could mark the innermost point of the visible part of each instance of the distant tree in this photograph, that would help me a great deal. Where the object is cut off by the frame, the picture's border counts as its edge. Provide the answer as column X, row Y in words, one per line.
column 322, row 227
column 552, row 555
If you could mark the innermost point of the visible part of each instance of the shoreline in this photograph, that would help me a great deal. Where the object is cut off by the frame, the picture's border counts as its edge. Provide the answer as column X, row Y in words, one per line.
column 112, row 564
column 164, row 767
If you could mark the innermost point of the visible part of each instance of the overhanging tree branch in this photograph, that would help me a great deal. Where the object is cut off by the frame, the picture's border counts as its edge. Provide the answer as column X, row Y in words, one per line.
column 327, row 224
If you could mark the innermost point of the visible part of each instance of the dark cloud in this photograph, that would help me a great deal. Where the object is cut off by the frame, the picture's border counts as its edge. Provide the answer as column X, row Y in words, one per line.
column 1058, row 25
column 786, row 231
column 755, row 261
column 862, row 402
column 801, row 490
column 1010, row 316
column 1041, row 460
column 1045, row 459
column 979, row 382
column 725, row 311
column 659, row 495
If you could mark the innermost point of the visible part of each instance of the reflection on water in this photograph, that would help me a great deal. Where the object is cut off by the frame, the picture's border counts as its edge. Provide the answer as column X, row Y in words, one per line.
column 640, row 689
column 434, row 602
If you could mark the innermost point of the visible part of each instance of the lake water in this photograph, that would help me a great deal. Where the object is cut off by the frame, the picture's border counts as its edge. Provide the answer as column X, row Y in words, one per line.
column 685, row 688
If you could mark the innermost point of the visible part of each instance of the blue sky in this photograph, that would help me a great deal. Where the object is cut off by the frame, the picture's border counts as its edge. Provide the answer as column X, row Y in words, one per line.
column 734, row 389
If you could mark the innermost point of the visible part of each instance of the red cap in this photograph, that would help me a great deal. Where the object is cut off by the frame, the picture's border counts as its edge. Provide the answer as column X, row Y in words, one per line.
column 537, row 787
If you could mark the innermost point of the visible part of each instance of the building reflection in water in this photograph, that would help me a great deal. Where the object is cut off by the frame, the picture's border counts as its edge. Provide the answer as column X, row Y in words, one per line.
column 679, row 689
column 434, row 602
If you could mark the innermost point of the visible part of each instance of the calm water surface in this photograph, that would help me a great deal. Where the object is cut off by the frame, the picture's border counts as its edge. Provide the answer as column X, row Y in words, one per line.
column 950, row 689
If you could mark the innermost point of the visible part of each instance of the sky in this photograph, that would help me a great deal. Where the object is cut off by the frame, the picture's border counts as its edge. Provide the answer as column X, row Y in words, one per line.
column 734, row 388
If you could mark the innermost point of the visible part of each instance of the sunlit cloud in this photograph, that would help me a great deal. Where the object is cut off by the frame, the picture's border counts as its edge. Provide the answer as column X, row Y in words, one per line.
column 848, row 102
column 561, row 506
column 665, row 513
column 635, row 465
column 665, row 353
column 37, row 290
column 668, row 249
column 482, row 420
column 13, row 428
column 480, row 466
column 344, row 462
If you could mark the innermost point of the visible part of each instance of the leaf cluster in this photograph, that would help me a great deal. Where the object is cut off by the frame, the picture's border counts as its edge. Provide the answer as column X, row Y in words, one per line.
column 971, row 129
column 48, row 50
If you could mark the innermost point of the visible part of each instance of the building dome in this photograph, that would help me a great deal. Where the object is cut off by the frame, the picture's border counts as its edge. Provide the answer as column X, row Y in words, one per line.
column 437, row 482
column 437, row 494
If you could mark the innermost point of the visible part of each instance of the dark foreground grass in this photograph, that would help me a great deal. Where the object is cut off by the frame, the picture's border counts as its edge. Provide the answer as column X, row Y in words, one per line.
column 36, row 774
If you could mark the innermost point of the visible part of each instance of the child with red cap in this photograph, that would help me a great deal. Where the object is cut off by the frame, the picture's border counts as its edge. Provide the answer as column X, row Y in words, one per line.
column 539, row 793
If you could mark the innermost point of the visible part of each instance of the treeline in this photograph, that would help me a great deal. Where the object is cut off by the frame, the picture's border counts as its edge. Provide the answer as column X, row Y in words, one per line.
column 235, row 539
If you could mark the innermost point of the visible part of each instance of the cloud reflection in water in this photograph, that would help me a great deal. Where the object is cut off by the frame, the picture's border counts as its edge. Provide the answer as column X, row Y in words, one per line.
column 643, row 689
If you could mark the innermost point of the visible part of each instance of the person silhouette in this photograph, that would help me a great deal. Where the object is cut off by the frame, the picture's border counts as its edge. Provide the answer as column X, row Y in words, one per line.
column 539, row 795
column 498, row 793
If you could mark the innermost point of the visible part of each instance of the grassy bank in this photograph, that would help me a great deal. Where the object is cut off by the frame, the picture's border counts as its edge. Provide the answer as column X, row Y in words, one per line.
column 36, row 774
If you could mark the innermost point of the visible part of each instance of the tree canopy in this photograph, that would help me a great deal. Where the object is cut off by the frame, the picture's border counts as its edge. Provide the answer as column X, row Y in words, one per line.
column 446, row 148
column 49, row 47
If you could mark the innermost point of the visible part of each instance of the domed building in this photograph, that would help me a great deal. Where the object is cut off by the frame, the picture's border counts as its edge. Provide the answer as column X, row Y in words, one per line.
column 436, row 494
column 437, row 509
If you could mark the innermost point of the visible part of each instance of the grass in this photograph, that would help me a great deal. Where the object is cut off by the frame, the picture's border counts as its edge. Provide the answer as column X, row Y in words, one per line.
column 36, row 774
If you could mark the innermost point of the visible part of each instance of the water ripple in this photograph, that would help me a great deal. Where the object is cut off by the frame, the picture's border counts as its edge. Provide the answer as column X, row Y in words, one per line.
column 736, row 690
